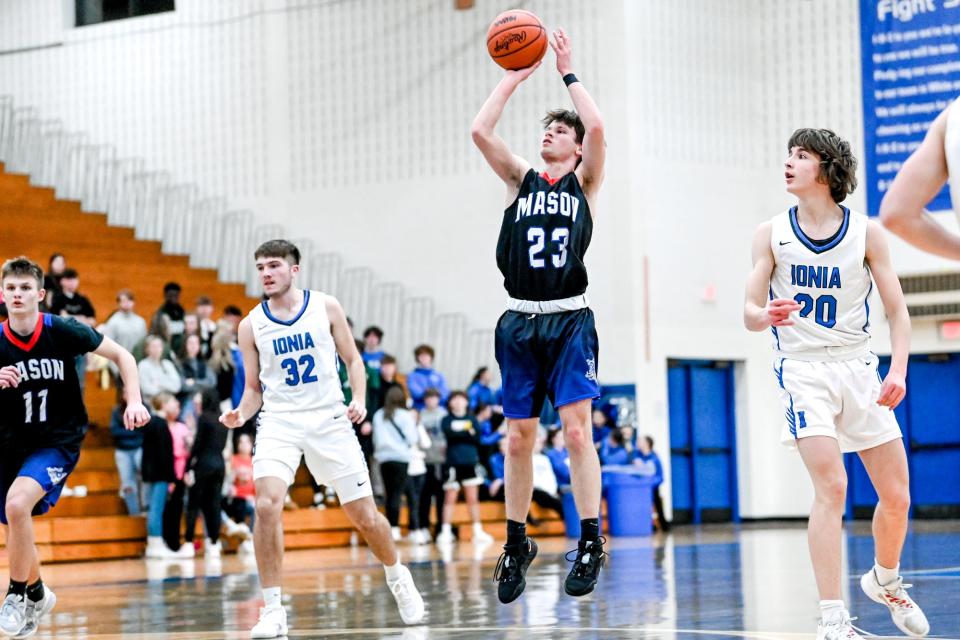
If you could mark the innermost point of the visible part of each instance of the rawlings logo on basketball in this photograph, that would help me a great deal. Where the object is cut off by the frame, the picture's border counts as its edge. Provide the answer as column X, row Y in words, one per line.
column 504, row 20
column 504, row 44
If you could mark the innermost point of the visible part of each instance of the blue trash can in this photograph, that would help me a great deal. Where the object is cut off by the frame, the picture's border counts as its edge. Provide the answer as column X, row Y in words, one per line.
column 629, row 503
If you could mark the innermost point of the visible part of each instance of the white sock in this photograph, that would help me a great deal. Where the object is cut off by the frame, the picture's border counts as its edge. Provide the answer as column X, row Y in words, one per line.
column 886, row 576
column 445, row 528
column 830, row 609
column 271, row 597
column 393, row 572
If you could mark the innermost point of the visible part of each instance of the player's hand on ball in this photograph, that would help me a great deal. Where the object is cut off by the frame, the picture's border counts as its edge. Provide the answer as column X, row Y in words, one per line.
column 356, row 412
column 777, row 312
column 893, row 390
column 9, row 377
column 519, row 75
column 232, row 419
column 560, row 43
column 135, row 416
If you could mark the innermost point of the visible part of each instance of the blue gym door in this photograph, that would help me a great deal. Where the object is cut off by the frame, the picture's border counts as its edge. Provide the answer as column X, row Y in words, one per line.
column 929, row 418
column 702, row 441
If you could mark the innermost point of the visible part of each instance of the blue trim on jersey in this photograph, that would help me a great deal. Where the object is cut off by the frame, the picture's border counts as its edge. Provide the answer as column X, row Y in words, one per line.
column 287, row 323
column 791, row 417
column 776, row 335
column 47, row 319
column 802, row 237
column 866, row 303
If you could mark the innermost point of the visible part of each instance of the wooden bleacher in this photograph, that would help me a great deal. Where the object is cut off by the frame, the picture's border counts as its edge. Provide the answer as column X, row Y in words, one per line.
column 33, row 222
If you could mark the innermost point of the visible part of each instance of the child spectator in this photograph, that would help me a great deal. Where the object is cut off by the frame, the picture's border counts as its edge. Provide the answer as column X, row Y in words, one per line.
column 128, row 454
column 546, row 493
column 462, row 433
column 434, row 458
column 613, row 451
column 158, row 474
column 206, row 469
column 424, row 377
column 169, row 408
column 394, row 434
column 416, row 478
column 649, row 463
column 157, row 374
column 372, row 353
column 241, row 504
column 559, row 456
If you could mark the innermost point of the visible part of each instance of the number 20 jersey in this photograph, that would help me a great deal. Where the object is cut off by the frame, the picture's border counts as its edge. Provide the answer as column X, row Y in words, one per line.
column 831, row 281
column 298, row 357
column 543, row 239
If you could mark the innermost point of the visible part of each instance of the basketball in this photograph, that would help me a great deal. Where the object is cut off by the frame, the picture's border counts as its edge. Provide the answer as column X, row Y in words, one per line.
column 516, row 39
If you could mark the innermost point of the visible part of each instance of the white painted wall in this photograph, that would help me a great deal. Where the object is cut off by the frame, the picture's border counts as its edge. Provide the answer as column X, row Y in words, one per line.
column 349, row 123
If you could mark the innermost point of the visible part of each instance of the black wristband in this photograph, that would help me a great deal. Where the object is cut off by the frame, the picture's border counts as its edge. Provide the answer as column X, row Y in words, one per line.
column 569, row 79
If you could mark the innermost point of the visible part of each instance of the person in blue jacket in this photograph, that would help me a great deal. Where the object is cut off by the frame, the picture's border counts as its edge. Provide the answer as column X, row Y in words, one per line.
column 424, row 377
column 650, row 464
column 613, row 450
column 559, row 456
column 479, row 392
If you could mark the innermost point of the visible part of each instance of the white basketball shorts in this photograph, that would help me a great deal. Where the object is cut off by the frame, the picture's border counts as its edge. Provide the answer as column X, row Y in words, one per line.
column 835, row 399
column 327, row 442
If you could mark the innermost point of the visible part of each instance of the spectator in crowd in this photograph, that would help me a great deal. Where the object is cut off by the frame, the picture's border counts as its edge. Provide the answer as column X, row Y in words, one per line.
column 208, row 326
column 227, row 364
column 416, row 478
column 394, row 435
column 158, row 475
column 497, row 465
column 435, row 456
column 546, row 493
column 649, row 463
column 167, row 322
column 196, row 375
column 157, row 374
column 480, row 391
column 232, row 315
column 206, row 469
column 462, row 432
column 169, row 407
column 241, row 495
column 69, row 302
column 51, row 281
column 612, row 450
column 601, row 426
column 371, row 352
column 424, row 377
column 125, row 327
column 128, row 454
column 559, row 456
column 191, row 326
column 389, row 378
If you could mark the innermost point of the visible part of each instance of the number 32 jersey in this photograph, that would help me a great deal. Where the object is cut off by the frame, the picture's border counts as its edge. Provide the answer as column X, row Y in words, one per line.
column 298, row 357
column 829, row 278
column 544, row 238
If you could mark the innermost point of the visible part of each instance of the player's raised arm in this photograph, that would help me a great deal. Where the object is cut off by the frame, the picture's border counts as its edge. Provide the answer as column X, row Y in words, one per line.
column 135, row 415
column 918, row 181
column 509, row 167
column 347, row 348
column 252, row 398
column 758, row 312
column 594, row 150
column 888, row 286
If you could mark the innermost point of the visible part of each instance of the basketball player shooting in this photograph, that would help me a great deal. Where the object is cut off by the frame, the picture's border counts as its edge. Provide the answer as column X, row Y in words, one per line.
column 546, row 343
column 290, row 344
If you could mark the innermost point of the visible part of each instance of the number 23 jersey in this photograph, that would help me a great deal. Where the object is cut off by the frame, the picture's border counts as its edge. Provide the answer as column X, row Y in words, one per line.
column 544, row 238
column 829, row 278
column 298, row 357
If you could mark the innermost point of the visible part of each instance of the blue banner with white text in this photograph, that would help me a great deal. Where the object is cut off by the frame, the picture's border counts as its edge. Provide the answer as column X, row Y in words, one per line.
column 911, row 72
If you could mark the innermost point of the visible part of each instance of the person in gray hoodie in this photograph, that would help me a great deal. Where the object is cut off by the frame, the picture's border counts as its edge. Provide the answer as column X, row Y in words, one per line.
column 431, row 416
column 394, row 435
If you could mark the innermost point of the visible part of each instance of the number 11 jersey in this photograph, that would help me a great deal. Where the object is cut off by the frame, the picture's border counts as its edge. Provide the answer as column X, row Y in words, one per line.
column 298, row 357
column 829, row 278
column 544, row 237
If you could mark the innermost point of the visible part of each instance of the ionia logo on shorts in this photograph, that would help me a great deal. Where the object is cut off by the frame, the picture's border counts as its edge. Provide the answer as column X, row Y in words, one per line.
column 56, row 474
column 591, row 369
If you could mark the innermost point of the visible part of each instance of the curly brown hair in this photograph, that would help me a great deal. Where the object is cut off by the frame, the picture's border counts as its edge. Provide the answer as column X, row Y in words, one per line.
column 838, row 167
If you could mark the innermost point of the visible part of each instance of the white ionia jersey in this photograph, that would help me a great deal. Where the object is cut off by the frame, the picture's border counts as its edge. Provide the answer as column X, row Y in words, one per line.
column 952, row 149
column 298, row 357
column 830, row 279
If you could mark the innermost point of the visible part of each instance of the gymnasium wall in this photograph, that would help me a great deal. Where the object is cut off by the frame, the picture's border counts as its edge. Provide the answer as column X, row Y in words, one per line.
column 349, row 123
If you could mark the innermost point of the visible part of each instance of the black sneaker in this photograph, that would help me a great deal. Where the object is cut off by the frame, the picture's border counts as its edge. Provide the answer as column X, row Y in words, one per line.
column 511, row 569
column 586, row 567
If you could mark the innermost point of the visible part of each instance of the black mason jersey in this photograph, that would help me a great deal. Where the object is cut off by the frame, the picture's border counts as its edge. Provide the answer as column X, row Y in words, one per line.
column 46, row 409
column 543, row 239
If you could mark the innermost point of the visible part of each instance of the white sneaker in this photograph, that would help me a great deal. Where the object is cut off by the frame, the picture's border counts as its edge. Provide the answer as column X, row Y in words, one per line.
column 395, row 534
column 413, row 537
column 186, row 550
column 480, row 536
column 839, row 628
column 445, row 537
column 211, row 549
column 13, row 614
column 35, row 611
column 246, row 547
column 408, row 598
column 272, row 623
column 905, row 613
column 157, row 548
